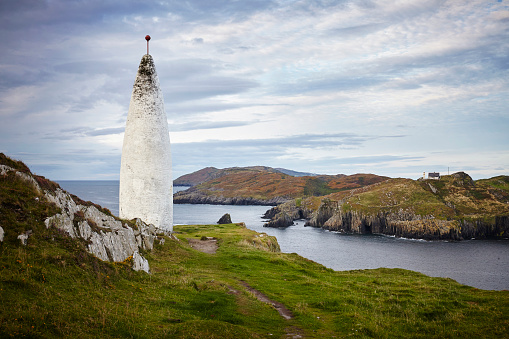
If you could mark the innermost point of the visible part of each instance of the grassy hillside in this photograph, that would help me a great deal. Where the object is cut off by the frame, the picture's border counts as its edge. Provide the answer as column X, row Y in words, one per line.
column 262, row 184
column 451, row 197
column 208, row 173
column 196, row 177
column 452, row 208
column 53, row 287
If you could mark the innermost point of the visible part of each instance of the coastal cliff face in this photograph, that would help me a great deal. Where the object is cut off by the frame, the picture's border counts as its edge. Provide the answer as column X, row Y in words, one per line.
column 452, row 209
column 106, row 237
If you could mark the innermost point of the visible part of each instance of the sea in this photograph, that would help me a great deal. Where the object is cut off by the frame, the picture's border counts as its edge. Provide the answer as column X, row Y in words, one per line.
column 482, row 264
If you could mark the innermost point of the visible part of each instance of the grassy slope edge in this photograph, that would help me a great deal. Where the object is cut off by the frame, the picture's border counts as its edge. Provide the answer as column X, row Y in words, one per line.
column 53, row 287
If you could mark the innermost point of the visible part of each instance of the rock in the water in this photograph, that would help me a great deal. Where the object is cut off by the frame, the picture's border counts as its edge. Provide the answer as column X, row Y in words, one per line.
column 283, row 215
column 225, row 219
column 1, row 234
column 282, row 219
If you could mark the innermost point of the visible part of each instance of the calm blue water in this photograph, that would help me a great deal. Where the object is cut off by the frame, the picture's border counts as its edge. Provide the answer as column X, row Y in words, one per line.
column 479, row 263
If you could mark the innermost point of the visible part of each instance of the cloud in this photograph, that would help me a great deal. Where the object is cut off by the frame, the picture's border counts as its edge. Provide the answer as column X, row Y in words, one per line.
column 191, row 126
column 77, row 132
column 328, row 86
column 206, row 87
column 276, row 146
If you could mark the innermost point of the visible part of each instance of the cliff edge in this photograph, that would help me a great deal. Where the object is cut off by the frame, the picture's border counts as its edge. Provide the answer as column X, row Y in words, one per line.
column 452, row 208
column 31, row 203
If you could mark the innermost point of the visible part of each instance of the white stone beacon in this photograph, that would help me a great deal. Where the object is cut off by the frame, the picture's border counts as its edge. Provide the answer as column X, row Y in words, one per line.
column 146, row 187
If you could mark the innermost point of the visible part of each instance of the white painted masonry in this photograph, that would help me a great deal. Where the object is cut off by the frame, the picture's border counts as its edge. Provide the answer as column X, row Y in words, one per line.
column 146, row 187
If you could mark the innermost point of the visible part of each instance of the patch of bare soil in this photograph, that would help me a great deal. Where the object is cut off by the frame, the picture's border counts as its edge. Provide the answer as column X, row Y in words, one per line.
column 210, row 246
column 283, row 311
column 292, row 332
column 207, row 246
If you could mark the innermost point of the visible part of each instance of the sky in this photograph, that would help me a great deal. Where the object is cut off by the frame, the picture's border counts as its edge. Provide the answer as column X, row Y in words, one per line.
column 388, row 87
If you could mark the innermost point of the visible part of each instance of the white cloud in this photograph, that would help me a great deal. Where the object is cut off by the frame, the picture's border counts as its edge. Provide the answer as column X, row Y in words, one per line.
column 279, row 83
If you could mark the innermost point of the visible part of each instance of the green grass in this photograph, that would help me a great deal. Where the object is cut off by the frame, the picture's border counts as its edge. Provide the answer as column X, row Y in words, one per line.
column 53, row 288
column 317, row 187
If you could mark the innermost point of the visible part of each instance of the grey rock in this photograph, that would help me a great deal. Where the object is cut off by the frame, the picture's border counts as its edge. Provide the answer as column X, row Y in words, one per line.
column 463, row 179
column 433, row 189
column 140, row 263
column 23, row 237
column 282, row 219
column 225, row 219
column 283, row 215
column 108, row 238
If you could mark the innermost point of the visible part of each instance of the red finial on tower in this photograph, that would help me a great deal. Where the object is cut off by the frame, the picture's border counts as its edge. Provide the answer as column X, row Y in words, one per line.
column 147, row 38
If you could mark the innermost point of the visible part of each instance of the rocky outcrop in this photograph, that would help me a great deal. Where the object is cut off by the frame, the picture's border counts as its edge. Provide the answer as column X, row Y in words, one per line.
column 191, row 196
column 282, row 219
column 27, row 178
column 283, row 215
column 225, row 219
column 400, row 224
column 463, row 179
column 338, row 217
column 107, row 237
column 483, row 229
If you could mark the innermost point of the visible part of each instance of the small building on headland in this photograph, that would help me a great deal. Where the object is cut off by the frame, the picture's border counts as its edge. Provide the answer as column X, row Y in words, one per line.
column 434, row 175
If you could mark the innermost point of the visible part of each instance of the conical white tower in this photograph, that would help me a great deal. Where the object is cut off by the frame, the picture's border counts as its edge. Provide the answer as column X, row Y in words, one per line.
column 146, row 187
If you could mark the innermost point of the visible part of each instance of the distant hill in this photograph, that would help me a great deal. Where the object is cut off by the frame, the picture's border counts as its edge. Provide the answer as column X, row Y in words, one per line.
column 295, row 173
column 207, row 173
column 195, row 178
column 262, row 186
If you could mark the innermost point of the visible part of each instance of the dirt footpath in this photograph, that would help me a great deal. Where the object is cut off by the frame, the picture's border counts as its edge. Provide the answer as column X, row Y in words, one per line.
column 207, row 246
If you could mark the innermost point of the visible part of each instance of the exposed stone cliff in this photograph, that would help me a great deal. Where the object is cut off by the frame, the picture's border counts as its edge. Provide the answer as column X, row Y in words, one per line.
column 452, row 209
column 106, row 236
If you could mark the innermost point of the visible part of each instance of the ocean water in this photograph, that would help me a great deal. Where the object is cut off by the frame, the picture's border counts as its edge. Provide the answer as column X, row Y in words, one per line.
column 482, row 264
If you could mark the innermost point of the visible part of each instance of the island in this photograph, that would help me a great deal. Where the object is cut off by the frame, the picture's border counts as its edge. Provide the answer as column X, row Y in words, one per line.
column 448, row 207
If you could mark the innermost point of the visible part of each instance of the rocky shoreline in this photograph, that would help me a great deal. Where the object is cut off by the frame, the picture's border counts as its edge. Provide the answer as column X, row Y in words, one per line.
column 331, row 216
column 191, row 196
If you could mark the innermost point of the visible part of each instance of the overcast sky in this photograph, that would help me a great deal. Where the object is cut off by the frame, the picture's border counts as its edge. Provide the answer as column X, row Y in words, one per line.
column 388, row 87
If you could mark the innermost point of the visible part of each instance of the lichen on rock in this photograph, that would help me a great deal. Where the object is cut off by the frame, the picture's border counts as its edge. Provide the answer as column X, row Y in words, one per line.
column 107, row 237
